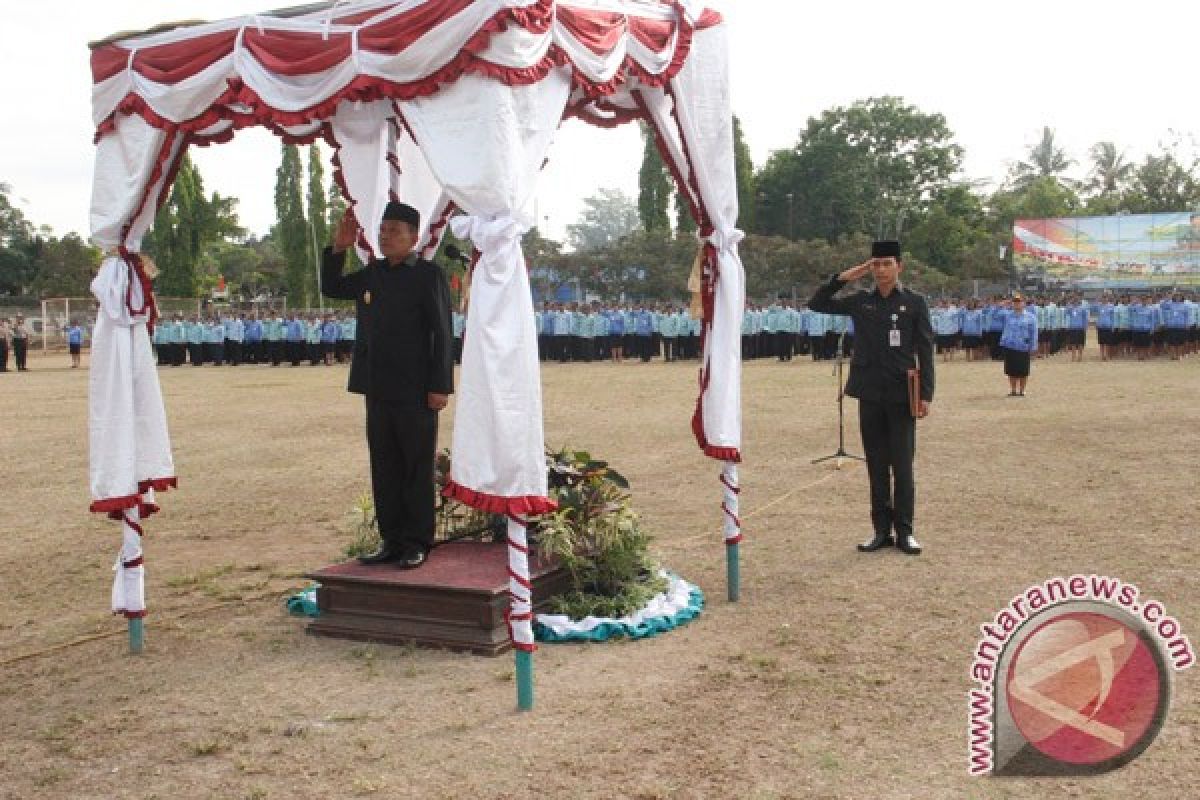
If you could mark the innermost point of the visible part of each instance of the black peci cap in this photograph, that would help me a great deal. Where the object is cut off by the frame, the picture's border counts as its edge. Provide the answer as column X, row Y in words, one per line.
column 402, row 212
column 887, row 248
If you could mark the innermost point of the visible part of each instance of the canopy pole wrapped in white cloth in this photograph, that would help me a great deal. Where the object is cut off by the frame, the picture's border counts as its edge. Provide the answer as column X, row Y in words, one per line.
column 130, row 450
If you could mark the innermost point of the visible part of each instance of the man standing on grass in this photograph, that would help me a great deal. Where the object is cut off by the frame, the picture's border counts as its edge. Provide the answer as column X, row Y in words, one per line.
column 894, row 336
column 404, row 365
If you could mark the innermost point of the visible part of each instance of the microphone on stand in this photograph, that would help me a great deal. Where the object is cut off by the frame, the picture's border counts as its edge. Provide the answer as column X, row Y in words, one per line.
column 453, row 252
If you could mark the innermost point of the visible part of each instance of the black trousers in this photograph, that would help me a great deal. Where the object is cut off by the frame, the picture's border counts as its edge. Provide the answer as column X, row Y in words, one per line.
column 3, row 355
column 20, row 347
column 889, row 438
column 401, row 442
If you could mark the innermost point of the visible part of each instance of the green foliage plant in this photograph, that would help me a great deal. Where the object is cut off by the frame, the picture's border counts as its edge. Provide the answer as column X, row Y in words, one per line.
column 597, row 536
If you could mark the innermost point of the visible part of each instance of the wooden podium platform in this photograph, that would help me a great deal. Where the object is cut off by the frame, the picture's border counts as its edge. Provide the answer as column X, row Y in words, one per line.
column 455, row 600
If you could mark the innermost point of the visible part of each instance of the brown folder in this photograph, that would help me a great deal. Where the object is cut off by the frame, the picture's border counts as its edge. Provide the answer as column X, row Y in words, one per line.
column 914, row 391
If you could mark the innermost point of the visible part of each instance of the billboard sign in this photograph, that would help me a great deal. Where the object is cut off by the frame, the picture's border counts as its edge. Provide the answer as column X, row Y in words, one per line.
column 1124, row 250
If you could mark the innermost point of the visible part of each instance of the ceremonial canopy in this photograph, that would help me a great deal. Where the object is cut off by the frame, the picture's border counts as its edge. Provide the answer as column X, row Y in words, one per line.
column 452, row 106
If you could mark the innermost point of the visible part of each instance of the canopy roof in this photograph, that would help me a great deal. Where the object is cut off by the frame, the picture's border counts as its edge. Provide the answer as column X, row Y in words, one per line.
column 289, row 69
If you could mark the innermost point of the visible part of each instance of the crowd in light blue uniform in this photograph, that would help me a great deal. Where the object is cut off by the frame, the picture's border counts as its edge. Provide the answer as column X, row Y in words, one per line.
column 225, row 338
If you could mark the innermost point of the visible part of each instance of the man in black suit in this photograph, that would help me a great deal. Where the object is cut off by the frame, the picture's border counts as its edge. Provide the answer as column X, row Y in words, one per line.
column 892, row 334
column 404, row 364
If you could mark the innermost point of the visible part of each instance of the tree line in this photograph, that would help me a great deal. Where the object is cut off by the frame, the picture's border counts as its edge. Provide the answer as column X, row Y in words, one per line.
column 879, row 167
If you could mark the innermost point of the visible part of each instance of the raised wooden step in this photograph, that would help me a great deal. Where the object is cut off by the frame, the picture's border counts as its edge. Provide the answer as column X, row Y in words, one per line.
column 455, row 600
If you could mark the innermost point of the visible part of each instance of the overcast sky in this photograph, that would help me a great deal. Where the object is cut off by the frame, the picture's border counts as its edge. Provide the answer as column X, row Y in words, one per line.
column 998, row 72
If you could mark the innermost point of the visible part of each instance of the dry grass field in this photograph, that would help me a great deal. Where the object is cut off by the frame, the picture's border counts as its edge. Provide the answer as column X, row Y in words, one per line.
column 837, row 675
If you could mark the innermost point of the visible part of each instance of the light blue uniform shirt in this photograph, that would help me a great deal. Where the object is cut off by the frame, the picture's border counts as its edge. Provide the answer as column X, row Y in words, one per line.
column 1143, row 318
column 1020, row 332
column 972, row 322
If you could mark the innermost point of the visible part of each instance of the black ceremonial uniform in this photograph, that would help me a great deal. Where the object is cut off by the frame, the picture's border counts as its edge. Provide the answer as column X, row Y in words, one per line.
column 879, row 379
column 403, row 350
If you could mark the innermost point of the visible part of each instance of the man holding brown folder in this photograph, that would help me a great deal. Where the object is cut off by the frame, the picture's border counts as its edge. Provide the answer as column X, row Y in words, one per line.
column 892, row 375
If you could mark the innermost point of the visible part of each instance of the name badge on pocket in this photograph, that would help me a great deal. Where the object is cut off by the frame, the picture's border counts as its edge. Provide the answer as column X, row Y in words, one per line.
column 894, row 337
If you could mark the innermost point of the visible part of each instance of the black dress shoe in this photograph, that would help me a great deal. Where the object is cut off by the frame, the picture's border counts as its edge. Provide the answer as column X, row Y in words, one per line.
column 905, row 543
column 880, row 541
column 385, row 553
column 411, row 556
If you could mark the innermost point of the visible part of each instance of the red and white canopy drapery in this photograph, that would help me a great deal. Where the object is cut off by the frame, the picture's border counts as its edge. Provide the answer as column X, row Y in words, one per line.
column 451, row 105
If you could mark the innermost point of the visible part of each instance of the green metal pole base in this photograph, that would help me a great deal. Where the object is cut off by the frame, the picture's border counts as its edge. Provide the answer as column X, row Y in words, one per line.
column 733, row 578
column 136, row 635
column 524, row 680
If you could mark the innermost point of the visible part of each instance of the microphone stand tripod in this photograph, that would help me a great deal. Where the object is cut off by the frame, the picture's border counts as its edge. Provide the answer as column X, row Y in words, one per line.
column 841, row 451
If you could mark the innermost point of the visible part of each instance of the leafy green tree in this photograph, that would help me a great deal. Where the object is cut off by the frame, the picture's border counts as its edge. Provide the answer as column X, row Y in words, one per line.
column 1044, row 160
column 291, row 229
column 318, row 209
column 949, row 233
column 186, row 226
column 743, row 167
column 607, row 216
column 654, row 186
column 685, row 223
column 66, row 266
column 1111, row 172
column 19, row 247
column 1163, row 183
column 1042, row 198
column 856, row 169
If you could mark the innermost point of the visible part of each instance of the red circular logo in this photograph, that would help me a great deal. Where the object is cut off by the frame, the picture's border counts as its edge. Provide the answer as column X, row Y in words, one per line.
column 1085, row 688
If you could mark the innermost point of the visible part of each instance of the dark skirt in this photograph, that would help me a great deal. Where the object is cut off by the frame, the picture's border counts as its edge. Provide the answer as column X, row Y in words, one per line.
column 1106, row 336
column 972, row 342
column 1016, row 363
column 1143, row 338
column 1076, row 337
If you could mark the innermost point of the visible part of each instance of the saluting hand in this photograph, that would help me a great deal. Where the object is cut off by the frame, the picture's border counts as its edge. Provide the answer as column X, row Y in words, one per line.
column 856, row 272
column 437, row 401
column 347, row 232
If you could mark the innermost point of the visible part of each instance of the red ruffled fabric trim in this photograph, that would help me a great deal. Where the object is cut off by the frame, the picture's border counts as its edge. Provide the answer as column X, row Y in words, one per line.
column 734, row 540
column 130, row 614
column 536, row 19
column 113, row 506
column 158, row 484
column 723, row 453
column 586, row 109
column 525, row 506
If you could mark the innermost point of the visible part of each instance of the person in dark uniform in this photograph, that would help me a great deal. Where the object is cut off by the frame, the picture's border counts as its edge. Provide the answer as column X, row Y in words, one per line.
column 403, row 363
column 892, row 335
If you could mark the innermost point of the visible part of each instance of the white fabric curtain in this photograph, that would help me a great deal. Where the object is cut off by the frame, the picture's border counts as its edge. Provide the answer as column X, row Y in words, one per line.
column 360, row 134
column 702, row 107
column 130, row 447
column 486, row 142
column 125, row 162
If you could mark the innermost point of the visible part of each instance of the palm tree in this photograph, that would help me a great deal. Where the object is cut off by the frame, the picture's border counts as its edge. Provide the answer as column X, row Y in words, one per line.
column 1110, row 173
column 1044, row 160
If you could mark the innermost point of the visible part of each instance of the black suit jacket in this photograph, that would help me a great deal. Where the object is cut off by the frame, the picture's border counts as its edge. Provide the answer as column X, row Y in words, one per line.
column 403, row 349
column 878, row 371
